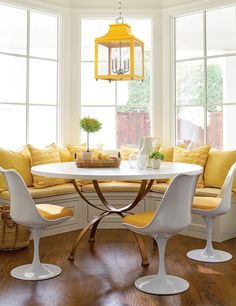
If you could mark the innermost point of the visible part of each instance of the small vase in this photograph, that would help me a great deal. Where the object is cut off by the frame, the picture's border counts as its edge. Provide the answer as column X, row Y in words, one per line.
column 156, row 163
column 87, row 155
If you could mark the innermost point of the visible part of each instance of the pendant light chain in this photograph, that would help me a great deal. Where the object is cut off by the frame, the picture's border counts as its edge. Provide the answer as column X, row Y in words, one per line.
column 120, row 19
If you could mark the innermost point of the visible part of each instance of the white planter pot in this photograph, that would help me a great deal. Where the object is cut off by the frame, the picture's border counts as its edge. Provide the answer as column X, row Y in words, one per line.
column 156, row 163
column 87, row 155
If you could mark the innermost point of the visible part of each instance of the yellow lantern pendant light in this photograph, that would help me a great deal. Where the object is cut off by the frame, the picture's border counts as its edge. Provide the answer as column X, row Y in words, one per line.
column 119, row 55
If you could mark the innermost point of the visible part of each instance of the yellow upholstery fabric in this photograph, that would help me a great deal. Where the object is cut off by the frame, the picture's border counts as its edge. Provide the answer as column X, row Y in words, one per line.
column 159, row 187
column 114, row 186
column 205, row 203
column 45, row 192
column 168, row 152
column 64, row 156
column 125, row 151
column 64, row 153
column 196, row 156
column 202, row 192
column 52, row 212
column 217, row 167
column 18, row 161
column 44, row 156
column 139, row 220
column 76, row 149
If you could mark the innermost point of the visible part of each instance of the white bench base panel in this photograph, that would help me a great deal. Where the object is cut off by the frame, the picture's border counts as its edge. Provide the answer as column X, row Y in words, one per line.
column 224, row 226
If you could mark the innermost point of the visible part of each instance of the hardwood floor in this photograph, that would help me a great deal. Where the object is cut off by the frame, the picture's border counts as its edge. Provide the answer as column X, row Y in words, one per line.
column 104, row 272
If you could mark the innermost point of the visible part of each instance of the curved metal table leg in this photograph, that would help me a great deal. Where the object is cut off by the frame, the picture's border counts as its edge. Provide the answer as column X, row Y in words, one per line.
column 142, row 249
column 83, row 232
column 109, row 209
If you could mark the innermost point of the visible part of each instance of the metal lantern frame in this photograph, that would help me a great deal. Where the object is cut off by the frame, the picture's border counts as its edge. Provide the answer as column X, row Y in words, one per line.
column 119, row 36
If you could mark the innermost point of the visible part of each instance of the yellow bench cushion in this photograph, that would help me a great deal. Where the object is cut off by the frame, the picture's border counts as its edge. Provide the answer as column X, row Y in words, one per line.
column 217, row 167
column 140, row 219
column 203, row 192
column 114, row 186
column 18, row 161
column 52, row 212
column 45, row 192
column 205, row 203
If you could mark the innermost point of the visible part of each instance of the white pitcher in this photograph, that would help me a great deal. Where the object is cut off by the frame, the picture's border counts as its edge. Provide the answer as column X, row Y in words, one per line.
column 147, row 145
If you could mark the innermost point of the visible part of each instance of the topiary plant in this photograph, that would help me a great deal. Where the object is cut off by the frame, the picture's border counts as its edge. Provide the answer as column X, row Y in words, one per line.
column 90, row 125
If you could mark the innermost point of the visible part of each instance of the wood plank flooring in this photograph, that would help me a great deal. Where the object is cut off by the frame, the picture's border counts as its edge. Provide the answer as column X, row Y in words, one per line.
column 104, row 272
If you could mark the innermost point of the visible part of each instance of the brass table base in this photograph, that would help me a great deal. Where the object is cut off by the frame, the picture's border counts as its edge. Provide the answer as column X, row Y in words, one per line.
column 107, row 210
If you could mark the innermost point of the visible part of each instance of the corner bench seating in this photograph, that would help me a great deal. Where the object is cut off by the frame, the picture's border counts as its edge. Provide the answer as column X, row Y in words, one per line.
column 121, row 193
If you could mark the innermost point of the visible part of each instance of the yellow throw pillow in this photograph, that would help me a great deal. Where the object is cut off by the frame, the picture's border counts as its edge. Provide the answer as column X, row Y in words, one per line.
column 125, row 151
column 65, row 155
column 217, row 167
column 41, row 157
column 18, row 161
column 76, row 149
column 168, row 152
column 196, row 156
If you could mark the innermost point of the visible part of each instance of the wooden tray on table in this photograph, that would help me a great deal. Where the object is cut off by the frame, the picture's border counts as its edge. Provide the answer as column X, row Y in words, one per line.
column 112, row 162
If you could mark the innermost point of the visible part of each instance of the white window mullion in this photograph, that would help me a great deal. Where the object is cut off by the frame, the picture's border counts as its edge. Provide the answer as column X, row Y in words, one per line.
column 205, row 76
column 173, row 85
column 116, row 116
column 27, row 76
column 58, row 94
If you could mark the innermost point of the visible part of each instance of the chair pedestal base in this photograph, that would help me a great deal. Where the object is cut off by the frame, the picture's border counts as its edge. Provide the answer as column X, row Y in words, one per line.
column 166, row 285
column 44, row 271
column 202, row 255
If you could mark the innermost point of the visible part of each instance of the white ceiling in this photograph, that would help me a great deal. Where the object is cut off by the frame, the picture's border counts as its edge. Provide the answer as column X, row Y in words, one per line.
column 126, row 4
column 148, row 4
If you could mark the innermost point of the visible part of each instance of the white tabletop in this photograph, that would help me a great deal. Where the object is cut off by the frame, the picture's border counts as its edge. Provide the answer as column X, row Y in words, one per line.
column 124, row 172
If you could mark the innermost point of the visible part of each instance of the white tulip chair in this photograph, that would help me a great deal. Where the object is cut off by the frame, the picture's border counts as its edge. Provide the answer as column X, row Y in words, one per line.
column 23, row 210
column 209, row 208
column 172, row 217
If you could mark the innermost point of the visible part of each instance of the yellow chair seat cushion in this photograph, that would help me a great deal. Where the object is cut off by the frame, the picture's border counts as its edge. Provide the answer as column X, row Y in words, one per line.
column 52, row 212
column 205, row 203
column 45, row 156
column 196, row 156
column 139, row 220
column 114, row 186
column 217, row 167
column 18, row 161
column 45, row 192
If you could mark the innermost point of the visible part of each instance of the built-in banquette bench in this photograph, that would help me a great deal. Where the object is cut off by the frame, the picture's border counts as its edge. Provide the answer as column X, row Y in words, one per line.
column 57, row 191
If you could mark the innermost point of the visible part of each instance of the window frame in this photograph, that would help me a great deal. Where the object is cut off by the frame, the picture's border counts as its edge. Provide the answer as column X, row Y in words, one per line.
column 204, row 59
column 28, row 57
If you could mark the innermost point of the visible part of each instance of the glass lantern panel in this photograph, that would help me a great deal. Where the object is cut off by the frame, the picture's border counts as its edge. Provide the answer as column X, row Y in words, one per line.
column 103, row 59
column 138, row 59
column 120, row 58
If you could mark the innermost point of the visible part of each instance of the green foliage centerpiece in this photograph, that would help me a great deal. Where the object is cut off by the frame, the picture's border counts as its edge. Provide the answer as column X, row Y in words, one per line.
column 156, row 158
column 90, row 125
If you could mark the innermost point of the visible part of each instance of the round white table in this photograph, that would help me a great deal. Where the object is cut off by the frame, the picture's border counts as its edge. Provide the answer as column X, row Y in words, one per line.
column 69, row 170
